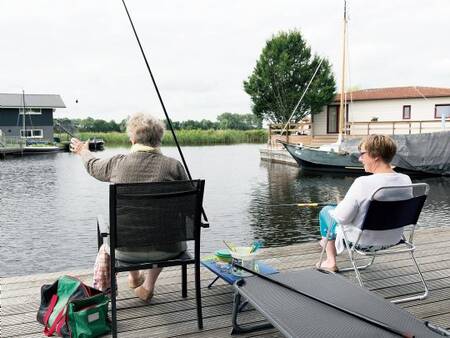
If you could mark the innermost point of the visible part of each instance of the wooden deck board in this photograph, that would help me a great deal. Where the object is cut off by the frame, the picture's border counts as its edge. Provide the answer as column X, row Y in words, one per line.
column 171, row 316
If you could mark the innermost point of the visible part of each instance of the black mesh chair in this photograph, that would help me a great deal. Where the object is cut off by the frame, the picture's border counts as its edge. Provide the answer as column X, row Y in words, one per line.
column 390, row 208
column 146, row 214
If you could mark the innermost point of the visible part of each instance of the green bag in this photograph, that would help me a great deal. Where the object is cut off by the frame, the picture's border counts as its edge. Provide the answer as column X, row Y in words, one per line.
column 88, row 317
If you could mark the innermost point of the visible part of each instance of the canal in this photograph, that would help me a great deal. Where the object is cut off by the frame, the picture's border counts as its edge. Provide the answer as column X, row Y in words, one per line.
column 49, row 205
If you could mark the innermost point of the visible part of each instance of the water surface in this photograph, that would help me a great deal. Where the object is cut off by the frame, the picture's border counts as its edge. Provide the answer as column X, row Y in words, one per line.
column 49, row 205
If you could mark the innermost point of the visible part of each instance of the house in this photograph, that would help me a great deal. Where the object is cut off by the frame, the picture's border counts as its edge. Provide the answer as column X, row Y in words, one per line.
column 398, row 110
column 39, row 109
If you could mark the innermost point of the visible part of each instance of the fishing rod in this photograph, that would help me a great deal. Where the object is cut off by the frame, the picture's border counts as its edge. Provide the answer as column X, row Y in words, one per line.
column 160, row 99
column 313, row 205
column 363, row 317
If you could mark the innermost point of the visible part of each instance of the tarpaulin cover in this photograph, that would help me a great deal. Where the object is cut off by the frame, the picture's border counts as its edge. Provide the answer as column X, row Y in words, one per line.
column 429, row 153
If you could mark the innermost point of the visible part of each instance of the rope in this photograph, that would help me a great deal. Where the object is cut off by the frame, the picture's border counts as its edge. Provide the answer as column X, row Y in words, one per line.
column 303, row 95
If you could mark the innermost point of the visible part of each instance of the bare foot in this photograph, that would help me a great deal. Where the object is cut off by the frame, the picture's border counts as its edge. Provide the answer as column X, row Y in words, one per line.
column 133, row 283
column 327, row 267
column 143, row 293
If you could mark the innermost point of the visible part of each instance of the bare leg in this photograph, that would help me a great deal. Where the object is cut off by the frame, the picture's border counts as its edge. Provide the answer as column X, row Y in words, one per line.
column 330, row 262
column 135, row 279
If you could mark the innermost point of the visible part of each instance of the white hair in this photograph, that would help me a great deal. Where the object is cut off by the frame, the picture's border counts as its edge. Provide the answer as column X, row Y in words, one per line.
column 145, row 129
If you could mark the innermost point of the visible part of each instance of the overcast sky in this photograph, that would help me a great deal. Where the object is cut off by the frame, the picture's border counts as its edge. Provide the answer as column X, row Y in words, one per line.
column 201, row 50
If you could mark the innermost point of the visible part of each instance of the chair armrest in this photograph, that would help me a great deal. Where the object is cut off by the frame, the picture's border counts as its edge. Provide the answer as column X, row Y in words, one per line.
column 102, row 227
column 205, row 224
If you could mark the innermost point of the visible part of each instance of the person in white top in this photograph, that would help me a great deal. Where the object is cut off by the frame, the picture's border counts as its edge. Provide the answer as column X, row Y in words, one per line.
column 376, row 153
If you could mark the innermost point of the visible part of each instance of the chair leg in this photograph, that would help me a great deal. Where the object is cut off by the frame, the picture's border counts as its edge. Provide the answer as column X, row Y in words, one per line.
column 184, row 280
column 418, row 297
column 113, row 304
column 198, row 295
column 355, row 268
column 362, row 267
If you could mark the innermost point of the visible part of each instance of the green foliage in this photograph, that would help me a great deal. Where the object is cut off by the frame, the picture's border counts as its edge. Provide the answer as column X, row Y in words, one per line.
column 281, row 75
column 187, row 137
column 238, row 121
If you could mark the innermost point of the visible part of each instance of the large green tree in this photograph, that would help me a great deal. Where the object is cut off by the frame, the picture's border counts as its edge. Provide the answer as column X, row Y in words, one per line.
column 281, row 75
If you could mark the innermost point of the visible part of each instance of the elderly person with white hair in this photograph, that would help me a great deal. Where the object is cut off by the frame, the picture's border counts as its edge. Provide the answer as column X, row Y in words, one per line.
column 144, row 163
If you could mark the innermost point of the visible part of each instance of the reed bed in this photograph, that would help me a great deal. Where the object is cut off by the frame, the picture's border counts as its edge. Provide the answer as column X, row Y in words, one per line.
column 187, row 137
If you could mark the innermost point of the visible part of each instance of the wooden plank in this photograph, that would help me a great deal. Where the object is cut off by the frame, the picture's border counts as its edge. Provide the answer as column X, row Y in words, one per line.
column 169, row 315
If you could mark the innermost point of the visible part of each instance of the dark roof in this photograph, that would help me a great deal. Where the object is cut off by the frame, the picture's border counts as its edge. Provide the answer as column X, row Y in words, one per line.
column 395, row 93
column 31, row 100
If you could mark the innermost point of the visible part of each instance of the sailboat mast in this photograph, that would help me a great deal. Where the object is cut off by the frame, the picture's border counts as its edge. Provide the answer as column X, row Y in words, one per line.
column 342, row 99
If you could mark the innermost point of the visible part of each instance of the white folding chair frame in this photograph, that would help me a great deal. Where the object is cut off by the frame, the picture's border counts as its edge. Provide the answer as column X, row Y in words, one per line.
column 409, row 247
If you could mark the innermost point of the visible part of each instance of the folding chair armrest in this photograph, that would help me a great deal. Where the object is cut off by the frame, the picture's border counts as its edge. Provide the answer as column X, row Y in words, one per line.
column 205, row 224
column 102, row 227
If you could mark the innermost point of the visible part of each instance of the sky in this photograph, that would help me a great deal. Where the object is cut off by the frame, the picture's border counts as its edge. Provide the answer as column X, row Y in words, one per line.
column 201, row 51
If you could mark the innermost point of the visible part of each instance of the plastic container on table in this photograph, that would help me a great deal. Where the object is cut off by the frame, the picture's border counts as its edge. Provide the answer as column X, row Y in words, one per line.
column 243, row 256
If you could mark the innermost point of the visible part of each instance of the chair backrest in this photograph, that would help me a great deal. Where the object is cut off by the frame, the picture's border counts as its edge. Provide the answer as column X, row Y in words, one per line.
column 145, row 214
column 395, row 207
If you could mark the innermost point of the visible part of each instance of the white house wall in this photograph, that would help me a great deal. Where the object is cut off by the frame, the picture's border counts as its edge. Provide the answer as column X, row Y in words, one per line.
column 387, row 111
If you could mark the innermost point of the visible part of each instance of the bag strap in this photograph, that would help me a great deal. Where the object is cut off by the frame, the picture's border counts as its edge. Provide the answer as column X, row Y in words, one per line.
column 49, row 331
column 49, row 311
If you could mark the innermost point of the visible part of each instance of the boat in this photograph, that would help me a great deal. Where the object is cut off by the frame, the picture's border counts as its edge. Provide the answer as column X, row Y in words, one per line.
column 430, row 155
column 33, row 147
column 417, row 154
column 96, row 144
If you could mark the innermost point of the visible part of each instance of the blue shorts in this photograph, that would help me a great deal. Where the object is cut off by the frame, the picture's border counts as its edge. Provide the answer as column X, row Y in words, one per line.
column 326, row 221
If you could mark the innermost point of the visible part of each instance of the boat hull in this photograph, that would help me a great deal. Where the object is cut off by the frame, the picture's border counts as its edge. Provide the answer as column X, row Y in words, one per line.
column 40, row 150
column 311, row 159
column 316, row 160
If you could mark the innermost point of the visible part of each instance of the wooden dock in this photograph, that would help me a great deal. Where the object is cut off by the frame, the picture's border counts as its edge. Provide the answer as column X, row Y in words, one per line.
column 169, row 315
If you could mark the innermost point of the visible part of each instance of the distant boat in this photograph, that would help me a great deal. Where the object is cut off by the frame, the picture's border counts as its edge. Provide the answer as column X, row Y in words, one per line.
column 33, row 147
column 96, row 144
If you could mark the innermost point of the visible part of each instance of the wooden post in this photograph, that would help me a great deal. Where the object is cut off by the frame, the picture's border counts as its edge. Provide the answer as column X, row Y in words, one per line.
column 269, row 141
column 393, row 128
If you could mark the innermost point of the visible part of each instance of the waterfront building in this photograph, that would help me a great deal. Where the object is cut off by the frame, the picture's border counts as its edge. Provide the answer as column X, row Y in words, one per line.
column 397, row 110
column 38, row 108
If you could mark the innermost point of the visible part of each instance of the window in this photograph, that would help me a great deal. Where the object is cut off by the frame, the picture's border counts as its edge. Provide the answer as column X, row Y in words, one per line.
column 31, row 133
column 31, row 111
column 440, row 109
column 406, row 112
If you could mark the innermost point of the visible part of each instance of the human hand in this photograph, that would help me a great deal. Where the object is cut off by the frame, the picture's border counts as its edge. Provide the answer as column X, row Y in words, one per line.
column 76, row 146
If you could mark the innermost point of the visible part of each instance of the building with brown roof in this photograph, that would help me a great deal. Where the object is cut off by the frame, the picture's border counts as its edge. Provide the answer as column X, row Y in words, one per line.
column 396, row 110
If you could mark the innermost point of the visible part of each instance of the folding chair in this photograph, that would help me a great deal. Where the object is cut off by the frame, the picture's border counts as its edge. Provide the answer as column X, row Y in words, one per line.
column 146, row 214
column 386, row 212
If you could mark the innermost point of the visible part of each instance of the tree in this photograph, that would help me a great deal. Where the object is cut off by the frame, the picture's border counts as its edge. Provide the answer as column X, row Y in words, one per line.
column 281, row 75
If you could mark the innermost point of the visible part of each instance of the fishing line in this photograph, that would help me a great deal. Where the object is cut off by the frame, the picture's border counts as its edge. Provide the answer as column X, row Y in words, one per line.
column 160, row 99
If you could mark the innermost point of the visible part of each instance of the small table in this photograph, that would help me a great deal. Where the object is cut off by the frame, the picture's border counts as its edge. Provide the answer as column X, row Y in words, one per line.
column 223, row 270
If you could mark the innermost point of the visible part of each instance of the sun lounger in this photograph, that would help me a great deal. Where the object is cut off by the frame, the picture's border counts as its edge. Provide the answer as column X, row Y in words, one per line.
column 296, row 315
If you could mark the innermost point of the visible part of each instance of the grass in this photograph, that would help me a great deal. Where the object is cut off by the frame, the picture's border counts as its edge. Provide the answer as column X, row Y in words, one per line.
column 186, row 137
